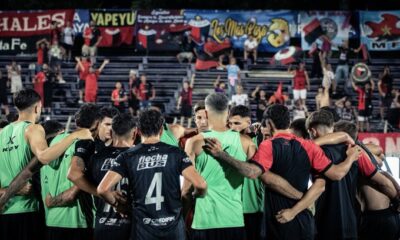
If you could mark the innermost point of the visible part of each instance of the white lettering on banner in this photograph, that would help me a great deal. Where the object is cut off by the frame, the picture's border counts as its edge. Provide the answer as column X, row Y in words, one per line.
column 389, row 142
column 15, row 44
column 76, row 17
column 394, row 167
column 31, row 23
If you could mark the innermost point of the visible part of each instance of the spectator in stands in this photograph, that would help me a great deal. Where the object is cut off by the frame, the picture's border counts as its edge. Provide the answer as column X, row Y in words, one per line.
column 347, row 112
column 327, row 72
column 91, row 80
column 240, row 98
column 300, row 78
column 187, row 49
column 216, row 50
column 83, row 72
column 278, row 97
column 219, row 86
column 316, row 69
column 233, row 76
column 145, row 92
column 250, row 47
column 394, row 111
column 43, row 84
column 14, row 74
column 260, row 96
column 364, row 104
column 299, row 110
column 42, row 47
column 326, row 48
column 342, row 69
column 185, row 102
column 385, row 87
column 3, row 94
column 322, row 98
column 55, row 32
column 3, row 124
column 68, row 38
column 133, row 100
column 56, row 55
column 119, row 97
column 92, row 38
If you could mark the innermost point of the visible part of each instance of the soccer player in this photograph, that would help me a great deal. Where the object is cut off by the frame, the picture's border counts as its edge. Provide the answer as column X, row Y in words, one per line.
column 219, row 215
column 294, row 159
column 23, row 139
column 108, row 223
column 153, row 169
column 380, row 219
column 85, row 149
column 66, row 218
column 335, row 209
column 200, row 119
column 253, row 191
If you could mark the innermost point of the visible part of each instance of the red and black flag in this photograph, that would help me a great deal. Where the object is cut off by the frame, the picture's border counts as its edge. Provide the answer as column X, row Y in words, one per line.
column 312, row 31
column 287, row 55
column 146, row 36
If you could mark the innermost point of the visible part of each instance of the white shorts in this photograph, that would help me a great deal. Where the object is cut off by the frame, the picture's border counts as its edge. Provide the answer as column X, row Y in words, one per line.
column 16, row 84
column 362, row 118
column 302, row 94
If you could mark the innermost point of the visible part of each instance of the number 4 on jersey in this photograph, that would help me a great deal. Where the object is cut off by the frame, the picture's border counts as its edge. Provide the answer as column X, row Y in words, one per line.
column 157, row 184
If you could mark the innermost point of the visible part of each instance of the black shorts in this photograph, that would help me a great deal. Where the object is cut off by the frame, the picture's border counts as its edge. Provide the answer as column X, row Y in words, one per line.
column 21, row 226
column 133, row 103
column 121, row 233
column 57, row 233
column 186, row 111
column 380, row 224
column 81, row 84
column 252, row 225
column 386, row 101
column 67, row 47
column 141, row 233
column 219, row 233
column 301, row 227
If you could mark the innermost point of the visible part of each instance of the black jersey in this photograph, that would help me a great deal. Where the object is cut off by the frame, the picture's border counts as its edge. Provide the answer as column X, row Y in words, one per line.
column 153, row 171
column 107, row 219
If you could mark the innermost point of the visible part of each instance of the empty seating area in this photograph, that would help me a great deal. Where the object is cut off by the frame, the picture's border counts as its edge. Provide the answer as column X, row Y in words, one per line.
column 166, row 74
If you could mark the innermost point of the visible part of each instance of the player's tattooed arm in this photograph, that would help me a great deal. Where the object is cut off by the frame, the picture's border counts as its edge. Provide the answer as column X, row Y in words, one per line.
column 76, row 174
column 19, row 185
column 279, row 184
column 213, row 147
column 63, row 199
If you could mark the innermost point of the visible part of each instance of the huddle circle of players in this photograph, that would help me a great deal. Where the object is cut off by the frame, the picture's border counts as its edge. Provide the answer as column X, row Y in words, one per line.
column 117, row 177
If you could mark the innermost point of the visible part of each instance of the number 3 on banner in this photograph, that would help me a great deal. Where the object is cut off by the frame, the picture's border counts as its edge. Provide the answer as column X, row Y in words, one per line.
column 157, row 184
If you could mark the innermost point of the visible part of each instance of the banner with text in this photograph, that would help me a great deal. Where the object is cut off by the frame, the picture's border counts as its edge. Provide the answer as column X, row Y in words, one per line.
column 81, row 21
column 333, row 24
column 272, row 29
column 160, row 29
column 390, row 142
column 380, row 30
column 19, row 30
column 117, row 27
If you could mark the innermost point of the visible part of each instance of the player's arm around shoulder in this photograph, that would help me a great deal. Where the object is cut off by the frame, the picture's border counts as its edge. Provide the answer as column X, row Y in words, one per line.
column 194, row 146
column 249, row 147
column 36, row 138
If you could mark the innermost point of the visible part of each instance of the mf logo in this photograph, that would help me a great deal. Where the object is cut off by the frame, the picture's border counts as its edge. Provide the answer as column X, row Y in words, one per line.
column 11, row 140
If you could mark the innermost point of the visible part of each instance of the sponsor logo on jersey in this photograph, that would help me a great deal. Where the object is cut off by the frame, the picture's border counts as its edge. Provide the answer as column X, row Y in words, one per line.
column 108, row 163
column 152, row 161
column 158, row 221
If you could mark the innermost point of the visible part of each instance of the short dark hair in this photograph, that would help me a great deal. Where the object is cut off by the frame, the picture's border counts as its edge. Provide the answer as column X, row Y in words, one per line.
column 335, row 115
column 109, row 112
column 218, row 102
column 279, row 115
column 87, row 115
column 52, row 127
column 26, row 98
column 123, row 123
column 150, row 122
column 240, row 110
column 4, row 123
column 299, row 125
column 200, row 105
column 347, row 127
column 319, row 118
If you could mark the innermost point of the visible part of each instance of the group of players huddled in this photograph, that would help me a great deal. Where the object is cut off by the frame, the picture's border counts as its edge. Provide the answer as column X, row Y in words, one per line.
column 118, row 177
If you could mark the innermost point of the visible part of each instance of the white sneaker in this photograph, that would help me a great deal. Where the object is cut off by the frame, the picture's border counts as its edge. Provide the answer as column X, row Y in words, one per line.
column 80, row 102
